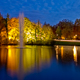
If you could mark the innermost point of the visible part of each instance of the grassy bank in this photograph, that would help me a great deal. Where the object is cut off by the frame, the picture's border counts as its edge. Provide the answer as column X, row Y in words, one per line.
column 66, row 43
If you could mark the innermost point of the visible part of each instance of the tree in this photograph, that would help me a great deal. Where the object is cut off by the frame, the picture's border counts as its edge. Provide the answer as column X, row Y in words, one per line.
column 29, row 30
column 48, row 34
column 2, row 28
column 77, row 28
column 13, row 30
column 38, row 31
column 66, row 28
column 58, row 32
column 7, row 23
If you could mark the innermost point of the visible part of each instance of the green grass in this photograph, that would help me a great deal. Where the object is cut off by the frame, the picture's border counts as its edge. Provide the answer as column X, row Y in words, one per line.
column 66, row 43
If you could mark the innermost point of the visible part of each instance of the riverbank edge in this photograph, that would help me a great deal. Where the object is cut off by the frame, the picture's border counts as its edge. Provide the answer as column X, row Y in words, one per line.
column 54, row 42
column 66, row 43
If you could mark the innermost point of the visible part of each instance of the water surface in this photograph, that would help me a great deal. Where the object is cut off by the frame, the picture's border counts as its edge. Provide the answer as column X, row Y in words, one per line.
column 56, row 62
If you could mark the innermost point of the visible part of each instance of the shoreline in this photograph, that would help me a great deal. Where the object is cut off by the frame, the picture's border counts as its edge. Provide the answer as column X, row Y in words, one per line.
column 66, row 42
column 54, row 42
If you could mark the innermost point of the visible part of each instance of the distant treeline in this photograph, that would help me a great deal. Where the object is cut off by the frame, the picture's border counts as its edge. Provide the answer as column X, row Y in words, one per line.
column 35, row 32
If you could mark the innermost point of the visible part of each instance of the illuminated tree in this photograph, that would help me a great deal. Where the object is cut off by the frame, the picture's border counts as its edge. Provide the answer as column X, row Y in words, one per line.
column 13, row 30
column 29, row 30
column 48, row 33
column 2, row 29
column 38, row 31
column 32, row 33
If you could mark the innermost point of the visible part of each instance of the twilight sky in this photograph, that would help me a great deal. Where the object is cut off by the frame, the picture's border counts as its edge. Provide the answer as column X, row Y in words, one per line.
column 49, row 11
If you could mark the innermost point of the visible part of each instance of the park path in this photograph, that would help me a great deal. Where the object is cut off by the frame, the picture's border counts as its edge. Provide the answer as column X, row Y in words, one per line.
column 67, row 40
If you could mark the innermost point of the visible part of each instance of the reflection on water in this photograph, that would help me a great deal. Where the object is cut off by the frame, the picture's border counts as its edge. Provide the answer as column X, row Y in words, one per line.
column 21, row 62
column 3, row 57
column 57, row 49
column 75, row 53
column 62, row 51
column 13, row 60
column 36, row 57
column 67, row 53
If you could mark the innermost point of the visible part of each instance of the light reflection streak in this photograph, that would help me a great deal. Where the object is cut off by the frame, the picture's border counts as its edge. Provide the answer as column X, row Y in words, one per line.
column 57, row 50
column 75, row 53
column 62, row 51
column 9, row 52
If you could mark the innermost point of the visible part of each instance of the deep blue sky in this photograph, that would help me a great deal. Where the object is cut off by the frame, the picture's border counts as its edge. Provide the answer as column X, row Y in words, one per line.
column 51, row 11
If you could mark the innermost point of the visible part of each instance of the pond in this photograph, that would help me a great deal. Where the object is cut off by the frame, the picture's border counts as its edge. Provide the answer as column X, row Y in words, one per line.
column 56, row 62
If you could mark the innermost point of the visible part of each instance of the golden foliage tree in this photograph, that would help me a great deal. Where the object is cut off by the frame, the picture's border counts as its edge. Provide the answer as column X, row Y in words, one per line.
column 13, row 30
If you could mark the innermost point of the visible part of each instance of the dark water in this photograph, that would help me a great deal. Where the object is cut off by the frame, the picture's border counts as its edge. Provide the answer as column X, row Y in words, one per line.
column 40, row 63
